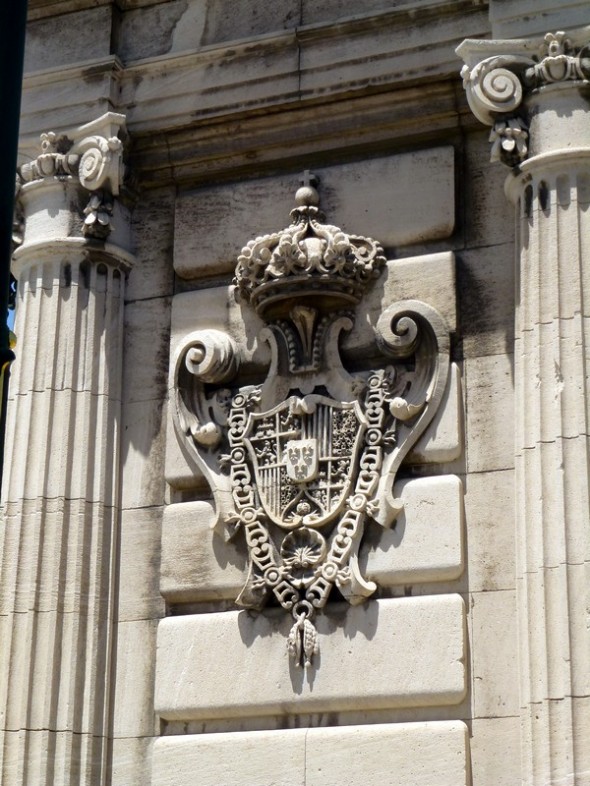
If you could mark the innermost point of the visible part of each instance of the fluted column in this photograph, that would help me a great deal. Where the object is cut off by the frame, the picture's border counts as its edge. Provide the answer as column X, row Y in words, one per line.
column 533, row 94
column 61, row 497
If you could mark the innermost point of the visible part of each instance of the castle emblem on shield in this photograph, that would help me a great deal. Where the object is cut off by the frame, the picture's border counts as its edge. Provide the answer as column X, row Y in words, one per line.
column 303, row 460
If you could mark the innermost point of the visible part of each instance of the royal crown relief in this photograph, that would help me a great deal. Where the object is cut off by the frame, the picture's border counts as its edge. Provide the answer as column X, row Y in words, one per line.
column 302, row 461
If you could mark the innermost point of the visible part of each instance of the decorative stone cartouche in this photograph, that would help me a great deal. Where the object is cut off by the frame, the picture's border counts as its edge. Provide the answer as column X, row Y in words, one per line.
column 302, row 461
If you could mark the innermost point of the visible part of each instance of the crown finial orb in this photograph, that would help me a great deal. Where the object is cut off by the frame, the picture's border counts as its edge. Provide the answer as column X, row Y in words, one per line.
column 307, row 195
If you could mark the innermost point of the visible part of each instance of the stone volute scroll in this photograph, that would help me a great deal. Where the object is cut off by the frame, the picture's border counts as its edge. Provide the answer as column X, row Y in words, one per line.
column 92, row 157
column 504, row 81
column 300, row 461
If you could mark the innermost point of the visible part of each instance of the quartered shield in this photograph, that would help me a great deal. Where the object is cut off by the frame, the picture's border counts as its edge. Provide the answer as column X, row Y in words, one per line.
column 304, row 453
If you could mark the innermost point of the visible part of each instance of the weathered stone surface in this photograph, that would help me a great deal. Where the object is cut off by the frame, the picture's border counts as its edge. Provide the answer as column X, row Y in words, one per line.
column 424, row 545
column 490, row 412
column 197, row 563
column 418, row 753
column 134, row 683
column 139, row 560
column 489, row 219
column 62, row 40
column 491, row 545
column 180, row 25
column 495, row 750
column 368, row 661
column 520, row 18
column 142, row 450
column 257, row 758
column 153, row 232
column 213, row 224
column 396, row 754
column 485, row 278
column 494, row 648
column 147, row 330
column 132, row 761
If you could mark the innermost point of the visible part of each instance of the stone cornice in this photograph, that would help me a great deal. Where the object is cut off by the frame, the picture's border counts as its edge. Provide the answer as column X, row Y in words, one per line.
column 39, row 9
column 500, row 77
column 93, row 83
column 362, row 82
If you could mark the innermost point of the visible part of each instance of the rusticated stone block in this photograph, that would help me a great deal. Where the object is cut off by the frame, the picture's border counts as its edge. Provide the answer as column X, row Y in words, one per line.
column 420, row 754
column 368, row 660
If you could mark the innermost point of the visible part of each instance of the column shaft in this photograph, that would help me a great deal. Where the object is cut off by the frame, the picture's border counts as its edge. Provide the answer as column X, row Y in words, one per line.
column 552, row 357
column 57, row 586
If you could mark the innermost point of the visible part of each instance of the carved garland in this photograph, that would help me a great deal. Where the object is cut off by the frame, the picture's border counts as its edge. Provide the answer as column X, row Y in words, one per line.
column 302, row 461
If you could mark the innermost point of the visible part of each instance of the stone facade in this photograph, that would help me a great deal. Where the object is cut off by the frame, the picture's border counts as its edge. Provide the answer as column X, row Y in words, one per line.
column 296, row 483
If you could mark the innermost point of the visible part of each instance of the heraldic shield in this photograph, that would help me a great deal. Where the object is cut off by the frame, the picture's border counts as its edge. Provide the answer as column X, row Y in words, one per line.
column 301, row 460
column 304, row 453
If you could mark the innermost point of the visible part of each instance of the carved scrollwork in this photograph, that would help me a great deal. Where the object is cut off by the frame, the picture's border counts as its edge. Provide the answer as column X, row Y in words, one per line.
column 304, row 460
column 497, row 86
column 101, row 162
column 92, row 155
column 492, row 88
column 425, row 331
column 207, row 356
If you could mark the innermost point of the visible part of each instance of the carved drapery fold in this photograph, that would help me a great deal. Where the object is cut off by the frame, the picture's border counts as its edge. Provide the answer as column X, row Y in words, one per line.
column 301, row 461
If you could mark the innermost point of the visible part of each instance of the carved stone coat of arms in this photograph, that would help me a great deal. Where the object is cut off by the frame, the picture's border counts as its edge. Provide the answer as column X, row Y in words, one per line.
column 300, row 461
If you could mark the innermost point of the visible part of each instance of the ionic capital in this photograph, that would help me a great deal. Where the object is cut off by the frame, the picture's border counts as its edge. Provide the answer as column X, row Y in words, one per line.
column 71, row 198
column 508, row 81
column 90, row 156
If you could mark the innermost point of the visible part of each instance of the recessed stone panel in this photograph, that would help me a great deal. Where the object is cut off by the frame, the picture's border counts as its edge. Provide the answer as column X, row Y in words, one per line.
column 408, row 198
column 404, row 754
column 426, row 542
column 407, row 652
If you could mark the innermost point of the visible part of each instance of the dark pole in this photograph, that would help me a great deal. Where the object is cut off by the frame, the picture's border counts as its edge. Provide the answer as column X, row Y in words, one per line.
column 13, row 20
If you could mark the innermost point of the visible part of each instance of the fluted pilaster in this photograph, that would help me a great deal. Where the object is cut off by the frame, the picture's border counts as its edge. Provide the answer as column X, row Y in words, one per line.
column 541, row 127
column 61, row 493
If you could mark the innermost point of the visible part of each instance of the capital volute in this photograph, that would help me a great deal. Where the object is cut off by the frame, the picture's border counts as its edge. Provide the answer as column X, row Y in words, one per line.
column 91, row 157
column 507, row 81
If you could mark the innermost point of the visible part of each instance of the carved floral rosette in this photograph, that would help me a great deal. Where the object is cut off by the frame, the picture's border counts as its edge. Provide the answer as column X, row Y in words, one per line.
column 302, row 461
